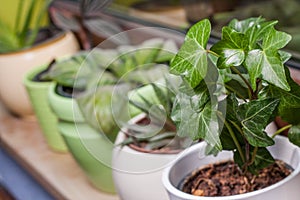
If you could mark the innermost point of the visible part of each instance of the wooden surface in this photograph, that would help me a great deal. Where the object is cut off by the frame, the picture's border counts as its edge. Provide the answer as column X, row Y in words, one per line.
column 57, row 172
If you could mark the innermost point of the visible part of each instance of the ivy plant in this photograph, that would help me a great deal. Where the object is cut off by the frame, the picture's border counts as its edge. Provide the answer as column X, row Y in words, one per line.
column 233, row 89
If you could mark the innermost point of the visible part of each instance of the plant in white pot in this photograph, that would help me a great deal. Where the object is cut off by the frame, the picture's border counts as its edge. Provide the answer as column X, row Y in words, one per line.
column 146, row 144
column 230, row 93
column 25, row 46
column 81, row 95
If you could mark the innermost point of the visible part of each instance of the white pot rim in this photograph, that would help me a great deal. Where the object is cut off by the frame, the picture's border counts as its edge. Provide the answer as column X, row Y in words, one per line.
column 172, row 189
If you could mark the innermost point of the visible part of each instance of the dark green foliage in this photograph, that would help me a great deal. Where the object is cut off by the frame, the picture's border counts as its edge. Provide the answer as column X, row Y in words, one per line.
column 250, row 78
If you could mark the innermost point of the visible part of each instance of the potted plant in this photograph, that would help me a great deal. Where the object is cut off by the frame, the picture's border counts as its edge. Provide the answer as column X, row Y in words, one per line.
column 147, row 143
column 230, row 93
column 22, row 48
column 83, row 107
column 37, row 88
column 71, row 125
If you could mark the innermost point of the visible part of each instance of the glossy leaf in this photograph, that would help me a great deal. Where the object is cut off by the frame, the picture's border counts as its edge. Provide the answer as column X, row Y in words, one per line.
column 285, row 56
column 244, row 25
column 294, row 135
column 231, row 108
column 259, row 29
column 200, row 32
column 276, row 40
column 190, row 62
column 196, row 124
column 254, row 117
column 231, row 57
column 268, row 66
column 230, row 48
column 289, row 107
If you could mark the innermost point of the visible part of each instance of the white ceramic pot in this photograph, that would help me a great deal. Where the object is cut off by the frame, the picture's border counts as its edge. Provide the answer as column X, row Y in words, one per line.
column 193, row 158
column 15, row 65
column 137, row 175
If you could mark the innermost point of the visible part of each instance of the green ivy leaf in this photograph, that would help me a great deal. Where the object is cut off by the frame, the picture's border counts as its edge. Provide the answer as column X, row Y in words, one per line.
column 243, row 25
column 200, row 32
column 230, row 48
column 285, row 56
column 276, row 40
column 289, row 107
column 259, row 29
column 268, row 66
column 231, row 107
column 195, row 123
column 191, row 60
column 254, row 117
column 254, row 63
column 183, row 109
column 294, row 135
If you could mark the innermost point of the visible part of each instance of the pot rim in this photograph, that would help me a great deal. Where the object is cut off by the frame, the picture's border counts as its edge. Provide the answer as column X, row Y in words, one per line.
column 49, row 41
column 71, row 110
column 172, row 189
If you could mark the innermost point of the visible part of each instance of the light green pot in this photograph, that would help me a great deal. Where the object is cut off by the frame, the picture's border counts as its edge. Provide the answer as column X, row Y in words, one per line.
column 91, row 150
column 38, row 95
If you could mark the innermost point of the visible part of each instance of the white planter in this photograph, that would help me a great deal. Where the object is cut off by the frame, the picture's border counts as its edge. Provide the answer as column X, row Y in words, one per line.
column 193, row 158
column 137, row 175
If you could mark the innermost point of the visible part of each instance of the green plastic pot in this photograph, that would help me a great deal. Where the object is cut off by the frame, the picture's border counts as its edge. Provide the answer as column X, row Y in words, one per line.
column 65, row 108
column 38, row 95
column 91, row 150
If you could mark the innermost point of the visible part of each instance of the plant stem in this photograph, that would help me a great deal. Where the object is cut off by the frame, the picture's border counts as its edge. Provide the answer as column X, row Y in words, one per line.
column 211, row 52
column 253, row 155
column 237, row 144
column 236, row 92
column 245, row 80
column 281, row 130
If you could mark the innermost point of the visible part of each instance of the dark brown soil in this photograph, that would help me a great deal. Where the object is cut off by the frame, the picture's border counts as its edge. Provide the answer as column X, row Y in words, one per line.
column 225, row 179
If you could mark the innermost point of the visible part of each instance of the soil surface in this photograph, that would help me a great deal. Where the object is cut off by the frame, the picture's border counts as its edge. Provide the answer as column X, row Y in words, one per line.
column 225, row 179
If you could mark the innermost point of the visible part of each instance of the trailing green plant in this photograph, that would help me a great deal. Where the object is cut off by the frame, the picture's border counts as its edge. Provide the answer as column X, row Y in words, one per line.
column 24, row 33
column 234, row 89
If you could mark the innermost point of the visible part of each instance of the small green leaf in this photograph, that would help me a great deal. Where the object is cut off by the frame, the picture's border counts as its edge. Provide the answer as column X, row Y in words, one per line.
column 200, row 32
column 254, row 116
column 243, row 25
column 231, row 57
column 268, row 66
column 254, row 64
column 230, row 48
column 276, row 40
column 289, row 107
column 294, row 135
column 259, row 29
column 237, row 39
column 190, row 62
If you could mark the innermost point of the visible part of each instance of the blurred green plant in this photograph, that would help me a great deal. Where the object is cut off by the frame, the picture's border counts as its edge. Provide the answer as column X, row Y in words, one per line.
column 24, row 33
